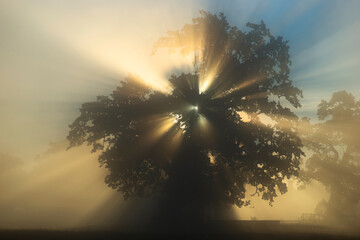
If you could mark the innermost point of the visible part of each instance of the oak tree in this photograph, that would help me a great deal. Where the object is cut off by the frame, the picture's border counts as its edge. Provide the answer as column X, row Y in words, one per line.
column 224, row 126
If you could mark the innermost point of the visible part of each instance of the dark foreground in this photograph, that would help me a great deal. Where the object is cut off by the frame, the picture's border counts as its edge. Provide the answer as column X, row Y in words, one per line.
column 228, row 230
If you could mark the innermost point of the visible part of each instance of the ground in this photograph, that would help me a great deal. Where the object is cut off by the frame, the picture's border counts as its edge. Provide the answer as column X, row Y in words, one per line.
column 225, row 230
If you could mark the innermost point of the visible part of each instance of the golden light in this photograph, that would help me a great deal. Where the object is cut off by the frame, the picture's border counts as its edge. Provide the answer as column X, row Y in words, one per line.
column 167, row 128
column 283, row 207
column 96, row 43
column 258, row 95
column 244, row 116
column 162, row 124
column 204, row 83
column 170, row 134
column 204, row 130
column 216, row 65
column 243, row 85
column 174, row 142
column 59, row 190
column 112, row 45
column 212, row 159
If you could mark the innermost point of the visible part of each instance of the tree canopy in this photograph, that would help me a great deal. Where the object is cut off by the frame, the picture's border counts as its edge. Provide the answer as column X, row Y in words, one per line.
column 222, row 127
column 336, row 153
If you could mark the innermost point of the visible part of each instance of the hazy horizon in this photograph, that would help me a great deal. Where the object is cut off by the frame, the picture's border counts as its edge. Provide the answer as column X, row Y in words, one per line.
column 57, row 55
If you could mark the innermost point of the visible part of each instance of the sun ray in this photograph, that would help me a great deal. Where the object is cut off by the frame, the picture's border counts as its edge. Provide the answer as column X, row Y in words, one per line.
column 216, row 66
column 65, row 185
column 242, row 87
column 206, row 130
column 162, row 126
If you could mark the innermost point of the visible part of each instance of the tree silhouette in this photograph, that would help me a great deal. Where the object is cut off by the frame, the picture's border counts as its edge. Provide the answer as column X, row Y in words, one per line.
column 336, row 154
column 221, row 128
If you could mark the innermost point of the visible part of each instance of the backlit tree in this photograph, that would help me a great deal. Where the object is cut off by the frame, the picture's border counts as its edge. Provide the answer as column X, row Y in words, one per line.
column 335, row 158
column 222, row 127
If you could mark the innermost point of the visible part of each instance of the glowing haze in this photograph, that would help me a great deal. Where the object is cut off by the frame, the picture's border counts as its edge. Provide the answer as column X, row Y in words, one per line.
column 55, row 55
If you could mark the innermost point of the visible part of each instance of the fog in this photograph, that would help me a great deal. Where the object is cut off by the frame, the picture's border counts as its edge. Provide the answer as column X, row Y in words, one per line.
column 65, row 189
column 56, row 55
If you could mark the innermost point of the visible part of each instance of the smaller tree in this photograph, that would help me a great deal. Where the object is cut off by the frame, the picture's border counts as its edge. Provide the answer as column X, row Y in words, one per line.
column 335, row 161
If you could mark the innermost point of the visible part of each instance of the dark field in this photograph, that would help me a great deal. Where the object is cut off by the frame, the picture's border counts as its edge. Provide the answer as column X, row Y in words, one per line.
column 225, row 230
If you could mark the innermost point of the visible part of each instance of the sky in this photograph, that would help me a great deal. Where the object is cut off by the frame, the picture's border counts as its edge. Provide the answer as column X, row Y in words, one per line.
column 56, row 55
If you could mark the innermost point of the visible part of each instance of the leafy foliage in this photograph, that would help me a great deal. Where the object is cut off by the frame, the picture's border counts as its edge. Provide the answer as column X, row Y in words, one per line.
column 336, row 155
column 194, row 145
